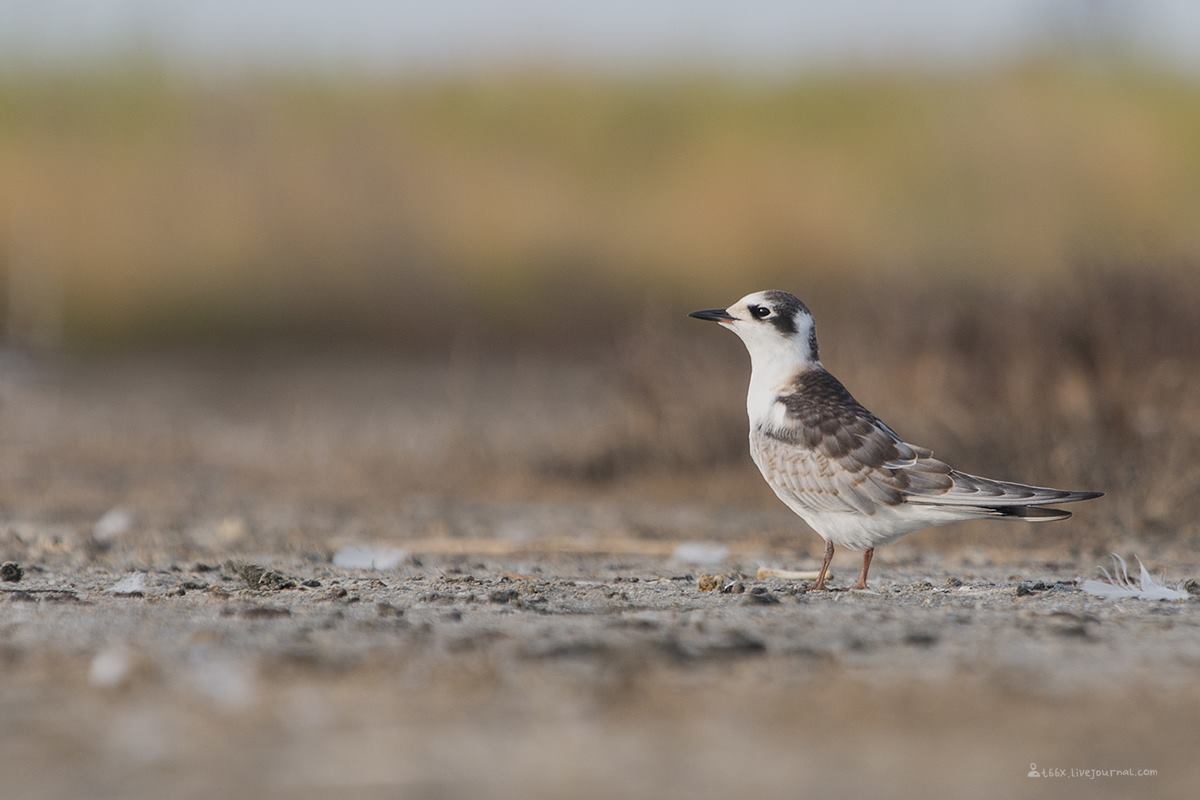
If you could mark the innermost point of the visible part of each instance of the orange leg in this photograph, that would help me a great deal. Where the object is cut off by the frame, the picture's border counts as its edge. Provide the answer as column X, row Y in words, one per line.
column 820, row 584
column 862, row 579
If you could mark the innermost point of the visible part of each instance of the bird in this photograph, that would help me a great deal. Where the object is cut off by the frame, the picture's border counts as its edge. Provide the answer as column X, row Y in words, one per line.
column 841, row 469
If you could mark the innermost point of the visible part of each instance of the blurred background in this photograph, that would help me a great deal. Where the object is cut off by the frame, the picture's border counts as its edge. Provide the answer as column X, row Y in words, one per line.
column 400, row 253
column 281, row 276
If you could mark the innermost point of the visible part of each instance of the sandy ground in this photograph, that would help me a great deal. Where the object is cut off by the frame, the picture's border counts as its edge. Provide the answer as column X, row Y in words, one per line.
column 528, row 642
column 452, row 676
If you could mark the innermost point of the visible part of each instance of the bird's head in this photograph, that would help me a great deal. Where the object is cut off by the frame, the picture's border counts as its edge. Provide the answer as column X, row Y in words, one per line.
column 770, row 323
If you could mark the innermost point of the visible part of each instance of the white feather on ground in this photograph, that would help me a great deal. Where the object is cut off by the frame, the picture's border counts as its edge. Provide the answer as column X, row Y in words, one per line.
column 1119, row 585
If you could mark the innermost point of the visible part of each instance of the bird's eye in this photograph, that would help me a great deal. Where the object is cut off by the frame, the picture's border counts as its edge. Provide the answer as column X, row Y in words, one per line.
column 759, row 312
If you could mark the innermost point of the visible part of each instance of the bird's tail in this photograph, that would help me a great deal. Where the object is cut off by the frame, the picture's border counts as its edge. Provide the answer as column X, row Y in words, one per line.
column 1005, row 497
column 1030, row 513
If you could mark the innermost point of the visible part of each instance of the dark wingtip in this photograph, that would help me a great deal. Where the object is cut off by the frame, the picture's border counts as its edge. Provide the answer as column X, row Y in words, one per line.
column 1033, row 513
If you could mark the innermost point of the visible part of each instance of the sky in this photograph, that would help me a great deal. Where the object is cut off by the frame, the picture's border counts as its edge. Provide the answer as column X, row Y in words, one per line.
column 614, row 34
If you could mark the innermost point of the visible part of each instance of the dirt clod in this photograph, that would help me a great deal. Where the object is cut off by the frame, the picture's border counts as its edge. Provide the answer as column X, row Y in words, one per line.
column 256, row 612
column 921, row 638
column 760, row 595
column 261, row 578
column 503, row 595
column 11, row 571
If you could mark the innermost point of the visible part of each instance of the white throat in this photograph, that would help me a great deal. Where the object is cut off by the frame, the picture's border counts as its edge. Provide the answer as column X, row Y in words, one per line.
column 775, row 362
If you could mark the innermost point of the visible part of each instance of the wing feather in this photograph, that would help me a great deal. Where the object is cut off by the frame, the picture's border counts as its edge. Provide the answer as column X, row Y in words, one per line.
column 829, row 453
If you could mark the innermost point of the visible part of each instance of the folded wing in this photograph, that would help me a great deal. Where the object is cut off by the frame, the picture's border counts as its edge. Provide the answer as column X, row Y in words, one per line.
column 829, row 453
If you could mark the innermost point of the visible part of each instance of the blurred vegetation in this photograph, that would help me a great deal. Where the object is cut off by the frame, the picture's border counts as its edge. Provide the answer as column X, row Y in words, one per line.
column 1002, row 264
column 140, row 208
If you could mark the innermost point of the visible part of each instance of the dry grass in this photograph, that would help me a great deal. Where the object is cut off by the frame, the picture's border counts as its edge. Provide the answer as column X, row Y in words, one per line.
column 1096, row 387
column 140, row 207
column 1002, row 265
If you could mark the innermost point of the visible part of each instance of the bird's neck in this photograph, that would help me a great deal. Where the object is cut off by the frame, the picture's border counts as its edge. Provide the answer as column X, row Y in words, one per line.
column 773, row 369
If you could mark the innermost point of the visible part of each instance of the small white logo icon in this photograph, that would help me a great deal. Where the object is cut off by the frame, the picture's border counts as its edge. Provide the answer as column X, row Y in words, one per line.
column 1033, row 771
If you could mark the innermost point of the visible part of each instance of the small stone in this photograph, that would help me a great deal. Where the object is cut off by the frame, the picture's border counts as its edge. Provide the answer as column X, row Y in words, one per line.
column 1192, row 586
column 256, row 612
column 11, row 572
column 733, row 587
column 503, row 595
column 132, row 585
column 921, row 638
column 111, row 667
column 738, row 642
column 953, row 582
column 759, row 595
column 311, row 583
column 700, row 553
column 709, row 583
column 115, row 523
column 359, row 556
column 388, row 610
column 261, row 578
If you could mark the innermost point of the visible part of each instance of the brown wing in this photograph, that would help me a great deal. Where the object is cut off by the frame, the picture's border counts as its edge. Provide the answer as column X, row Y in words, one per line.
column 831, row 453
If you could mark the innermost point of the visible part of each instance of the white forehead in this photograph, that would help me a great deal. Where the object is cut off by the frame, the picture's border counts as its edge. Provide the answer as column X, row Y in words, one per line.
column 753, row 299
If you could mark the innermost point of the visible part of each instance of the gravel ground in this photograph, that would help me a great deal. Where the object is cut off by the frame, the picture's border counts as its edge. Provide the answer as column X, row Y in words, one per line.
column 173, row 624
column 568, row 675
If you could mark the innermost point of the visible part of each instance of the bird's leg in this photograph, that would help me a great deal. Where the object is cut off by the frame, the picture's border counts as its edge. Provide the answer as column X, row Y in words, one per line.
column 862, row 579
column 820, row 584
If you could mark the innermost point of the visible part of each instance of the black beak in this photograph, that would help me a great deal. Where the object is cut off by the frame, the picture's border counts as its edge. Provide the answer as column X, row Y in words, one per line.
column 713, row 315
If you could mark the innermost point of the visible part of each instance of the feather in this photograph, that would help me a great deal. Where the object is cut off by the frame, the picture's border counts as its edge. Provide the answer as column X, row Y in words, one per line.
column 1118, row 585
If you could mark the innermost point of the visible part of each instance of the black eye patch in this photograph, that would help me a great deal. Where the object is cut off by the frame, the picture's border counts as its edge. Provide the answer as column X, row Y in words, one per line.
column 759, row 312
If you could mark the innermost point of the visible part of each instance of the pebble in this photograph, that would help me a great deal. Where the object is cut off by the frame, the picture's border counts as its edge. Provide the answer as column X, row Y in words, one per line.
column 261, row 578
column 921, row 638
column 759, row 595
column 503, row 595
